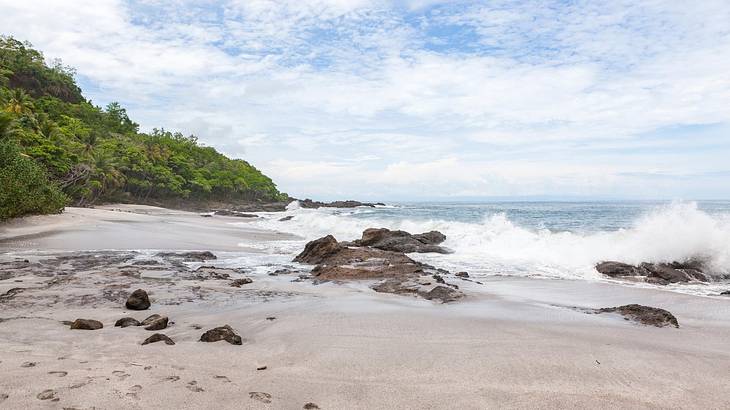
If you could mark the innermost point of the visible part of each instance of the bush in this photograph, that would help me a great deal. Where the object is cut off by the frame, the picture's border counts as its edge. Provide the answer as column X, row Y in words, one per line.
column 24, row 186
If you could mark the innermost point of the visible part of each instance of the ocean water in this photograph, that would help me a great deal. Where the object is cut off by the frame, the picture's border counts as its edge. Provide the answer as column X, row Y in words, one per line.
column 560, row 240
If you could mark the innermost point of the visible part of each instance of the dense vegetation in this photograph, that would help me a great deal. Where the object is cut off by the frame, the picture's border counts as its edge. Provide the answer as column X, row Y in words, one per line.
column 56, row 148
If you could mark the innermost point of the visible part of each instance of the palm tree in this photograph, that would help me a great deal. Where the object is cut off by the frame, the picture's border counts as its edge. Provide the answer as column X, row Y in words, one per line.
column 20, row 103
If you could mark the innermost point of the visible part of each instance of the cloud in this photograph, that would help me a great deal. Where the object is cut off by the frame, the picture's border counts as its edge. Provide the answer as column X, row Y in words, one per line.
column 393, row 97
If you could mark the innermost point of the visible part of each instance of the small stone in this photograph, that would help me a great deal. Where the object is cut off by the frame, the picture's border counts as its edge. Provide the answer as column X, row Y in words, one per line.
column 46, row 395
column 138, row 300
column 271, row 318
column 86, row 324
column 158, row 337
column 150, row 319
column 158, row 324
column 126, row 322
column 261, row 368
column 462, row 274
column 239, row 282
column 221, row 333
column 310, row 406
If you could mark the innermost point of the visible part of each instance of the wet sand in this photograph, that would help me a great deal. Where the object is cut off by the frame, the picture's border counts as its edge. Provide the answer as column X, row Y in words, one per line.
column 512, row 343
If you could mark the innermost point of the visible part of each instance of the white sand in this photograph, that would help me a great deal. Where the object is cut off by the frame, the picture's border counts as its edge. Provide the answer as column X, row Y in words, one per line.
column 511, row 344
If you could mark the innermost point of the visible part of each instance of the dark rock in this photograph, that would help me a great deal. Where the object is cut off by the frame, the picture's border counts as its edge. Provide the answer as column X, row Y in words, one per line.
column 158, row 324
column 150, row 319
column 239, row 282
column 126, row 322
column 402, row 241
column 310, row 406
column 86, row 324
column 725, row 293
column 261, row 368
column 308, row 203
column 616, row 269
column 226, row 212
column 318, row 250
column 189, row 256
column 644, row 314
column 158, row 337
column 221, row 333
column 657, row 273
column 138, row 300
column 443, row 293
column 286, row 218
column 462, row 274
column 438, row 278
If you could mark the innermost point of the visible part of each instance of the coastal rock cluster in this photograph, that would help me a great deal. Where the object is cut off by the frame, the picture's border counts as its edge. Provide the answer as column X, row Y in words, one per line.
column 380, row 254
column 656, row 273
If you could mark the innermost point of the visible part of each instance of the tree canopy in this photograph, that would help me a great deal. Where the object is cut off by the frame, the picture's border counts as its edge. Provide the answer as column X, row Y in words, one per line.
column 59, row 148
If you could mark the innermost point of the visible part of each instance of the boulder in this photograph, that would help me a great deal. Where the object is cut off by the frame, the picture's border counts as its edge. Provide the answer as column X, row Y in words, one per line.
column 86, row 324
column 126, row 322
column 618, row 269
column 646, row 315
column 318, row 250
column 365, row 263
column 657, row 273
column 221, row 333
column 158, row 337
column 158, row 324
column 138, row 300
column 150, row 319
column 239, row 282
column 402, row 241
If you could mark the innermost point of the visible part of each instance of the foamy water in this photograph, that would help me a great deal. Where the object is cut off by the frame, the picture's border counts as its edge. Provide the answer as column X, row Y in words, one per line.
column 556, row 240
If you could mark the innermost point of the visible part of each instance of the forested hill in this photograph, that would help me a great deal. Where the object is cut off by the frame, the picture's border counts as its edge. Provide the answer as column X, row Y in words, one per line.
column 57, row 149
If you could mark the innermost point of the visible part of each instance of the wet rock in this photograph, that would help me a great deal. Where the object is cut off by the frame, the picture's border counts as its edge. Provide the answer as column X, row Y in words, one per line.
column 138, row 300
column 189, row 256
column 402, row 241
column 126, row 322
column 725, row 293
column 461, row 274
column 318, row 250
column 158, row 337
column 442, row 293
column 86, row 324
column 401, row 286
column 286, row 218
column 308, row 203
column 657, row 273
column 310, row 406
column 617, row 269
column 646, row 315
column 240, row 282
column 150, row 319
column 158, row 324
column 226, row 212
column 221, row 333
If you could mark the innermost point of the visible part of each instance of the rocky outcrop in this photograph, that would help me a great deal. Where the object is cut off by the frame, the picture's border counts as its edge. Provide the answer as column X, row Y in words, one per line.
column 126, row 322
column 189, row 256
column 657, row 273
column 158, row 337
column 227, row 212
column 308, row 203
column 318, row 250
column 237, row 283
column 138, row 300
column 222, row 333
column 401, row 241
column 86, row 324
column 645, row 315
column 409, row 286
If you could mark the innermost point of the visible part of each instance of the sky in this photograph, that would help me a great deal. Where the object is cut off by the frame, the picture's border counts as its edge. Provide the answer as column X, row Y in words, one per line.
column 419, row 99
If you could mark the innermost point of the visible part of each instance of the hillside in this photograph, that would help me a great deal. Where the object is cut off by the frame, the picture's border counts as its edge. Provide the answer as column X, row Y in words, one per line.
column 58, row 149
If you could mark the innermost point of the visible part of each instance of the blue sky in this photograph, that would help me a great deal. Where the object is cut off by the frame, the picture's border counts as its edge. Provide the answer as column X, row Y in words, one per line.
column 419, row 99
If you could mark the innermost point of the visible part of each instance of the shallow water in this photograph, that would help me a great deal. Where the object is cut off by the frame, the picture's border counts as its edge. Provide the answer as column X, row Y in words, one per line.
column 544, row 239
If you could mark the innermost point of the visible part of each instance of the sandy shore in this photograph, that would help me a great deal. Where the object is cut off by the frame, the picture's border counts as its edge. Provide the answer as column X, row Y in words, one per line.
column 511, row 343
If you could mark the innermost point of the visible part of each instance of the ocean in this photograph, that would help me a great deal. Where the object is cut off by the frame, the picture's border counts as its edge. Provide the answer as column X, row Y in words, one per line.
column 557, row 240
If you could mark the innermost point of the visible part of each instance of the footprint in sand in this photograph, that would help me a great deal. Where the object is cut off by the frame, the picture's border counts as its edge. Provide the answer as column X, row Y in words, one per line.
column 260, row 396
column 193, row 386
column 223, row 379
column 59, row 373
column 120, row 374
column 3, row 397
column 29, row 364
column 47, row 395
column 133, row 391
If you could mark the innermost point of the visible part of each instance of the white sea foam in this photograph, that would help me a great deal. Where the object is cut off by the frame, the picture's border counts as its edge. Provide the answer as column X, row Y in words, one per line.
column 496, row 245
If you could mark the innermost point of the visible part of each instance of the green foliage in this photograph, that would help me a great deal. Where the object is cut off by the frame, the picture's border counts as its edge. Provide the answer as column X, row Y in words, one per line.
column 96, row 154
column 25, row 186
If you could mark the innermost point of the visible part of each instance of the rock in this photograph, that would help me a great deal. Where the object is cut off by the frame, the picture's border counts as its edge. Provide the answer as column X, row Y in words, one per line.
column 138, row 300
column 150, row 319
column 226, row 212
column 402, row 241
column 126, row 322
column 644, row 314
column 261, row 368
column 47, row 395
column 158, row 337
column 310, row 406
column 286, row 218
column 158, row 324
column 317, row 250
column 657, row 273
column 221, row 333
column 308, row 203
column 239, row 282
column 189, row 256
column 443, row 293
column 86, row 324
column 725, row 293
column 461, row 274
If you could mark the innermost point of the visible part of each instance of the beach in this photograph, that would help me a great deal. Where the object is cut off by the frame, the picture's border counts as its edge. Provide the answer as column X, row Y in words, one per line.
column 510, row 342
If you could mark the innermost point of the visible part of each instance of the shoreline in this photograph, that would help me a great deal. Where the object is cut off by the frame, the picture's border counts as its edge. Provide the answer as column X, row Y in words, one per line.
column 512, row 342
